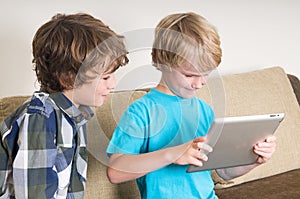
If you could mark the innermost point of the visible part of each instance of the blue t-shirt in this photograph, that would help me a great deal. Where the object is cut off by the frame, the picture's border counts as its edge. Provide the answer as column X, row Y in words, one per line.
column 158, row 121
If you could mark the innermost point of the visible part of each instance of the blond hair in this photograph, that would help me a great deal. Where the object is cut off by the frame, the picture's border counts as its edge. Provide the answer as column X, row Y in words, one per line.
column 186, row 37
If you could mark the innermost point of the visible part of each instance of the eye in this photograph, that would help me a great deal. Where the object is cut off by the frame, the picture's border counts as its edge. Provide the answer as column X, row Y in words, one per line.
column 188, row 75
column 105, row 77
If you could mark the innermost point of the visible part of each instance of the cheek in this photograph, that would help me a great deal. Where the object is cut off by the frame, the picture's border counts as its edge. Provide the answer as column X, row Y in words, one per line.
column 100, row 87
column 90, row 89
column 183, row 82
column 172, row 78
column 98, row 90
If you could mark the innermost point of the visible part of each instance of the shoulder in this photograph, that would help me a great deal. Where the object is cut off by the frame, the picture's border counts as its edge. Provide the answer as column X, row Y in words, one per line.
column 31, row 114
column 206, row 108
column 37, row 104
column 42, row 104
column 202, row 103
column 137, row 112
column 144, row 106
column 9, row 121
column 142, row 103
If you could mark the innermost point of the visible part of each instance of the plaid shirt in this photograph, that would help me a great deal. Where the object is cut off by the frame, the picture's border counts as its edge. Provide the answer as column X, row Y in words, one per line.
column 43, row 149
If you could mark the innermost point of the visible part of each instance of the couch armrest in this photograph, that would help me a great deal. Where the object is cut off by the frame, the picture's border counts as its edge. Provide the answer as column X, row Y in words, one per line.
column 295, row 82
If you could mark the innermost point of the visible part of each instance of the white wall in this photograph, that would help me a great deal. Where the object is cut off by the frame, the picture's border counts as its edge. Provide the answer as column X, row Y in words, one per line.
column 255, row 34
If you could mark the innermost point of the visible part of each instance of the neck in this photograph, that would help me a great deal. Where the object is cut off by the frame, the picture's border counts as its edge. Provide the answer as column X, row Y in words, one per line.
column 69, row 95
column 162, row 87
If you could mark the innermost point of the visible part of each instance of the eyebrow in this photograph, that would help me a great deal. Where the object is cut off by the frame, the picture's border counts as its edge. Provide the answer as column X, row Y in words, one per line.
column 194, row 74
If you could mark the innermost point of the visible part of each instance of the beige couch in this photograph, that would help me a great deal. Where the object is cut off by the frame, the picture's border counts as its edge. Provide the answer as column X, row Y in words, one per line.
column 258, row 92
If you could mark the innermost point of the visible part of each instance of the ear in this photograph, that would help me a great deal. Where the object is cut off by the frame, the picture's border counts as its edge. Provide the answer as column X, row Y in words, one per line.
column 164, row 68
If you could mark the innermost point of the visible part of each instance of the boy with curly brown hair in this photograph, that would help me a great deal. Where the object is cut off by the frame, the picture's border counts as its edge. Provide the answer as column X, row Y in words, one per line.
column 43, row 143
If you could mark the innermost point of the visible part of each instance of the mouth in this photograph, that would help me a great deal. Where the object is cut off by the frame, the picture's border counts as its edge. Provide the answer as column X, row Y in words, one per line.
column 191, row 89
column 104, row 95
column 190, row 92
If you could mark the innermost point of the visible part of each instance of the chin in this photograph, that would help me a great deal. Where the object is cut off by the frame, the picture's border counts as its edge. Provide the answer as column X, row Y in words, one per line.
column 190, row 94
column 97, row 104
column 187, row 94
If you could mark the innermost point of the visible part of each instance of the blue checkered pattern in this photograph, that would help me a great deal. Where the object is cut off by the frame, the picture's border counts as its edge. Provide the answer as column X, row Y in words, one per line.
column 43, row 149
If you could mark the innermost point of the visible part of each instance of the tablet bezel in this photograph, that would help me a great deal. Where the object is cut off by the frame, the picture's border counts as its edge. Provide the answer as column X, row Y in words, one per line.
column 233, row 138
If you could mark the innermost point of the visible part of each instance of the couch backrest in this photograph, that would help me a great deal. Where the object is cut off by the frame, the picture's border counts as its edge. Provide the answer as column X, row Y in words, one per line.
column 296, row 85
column 9, row 104
column 263, row 92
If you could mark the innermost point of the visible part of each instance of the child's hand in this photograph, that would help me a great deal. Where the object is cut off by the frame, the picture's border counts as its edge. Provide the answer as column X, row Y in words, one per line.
column 193, row 152
column 265, row 149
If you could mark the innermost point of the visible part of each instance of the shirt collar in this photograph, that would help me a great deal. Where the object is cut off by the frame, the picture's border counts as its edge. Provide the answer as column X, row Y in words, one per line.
column 79, row 115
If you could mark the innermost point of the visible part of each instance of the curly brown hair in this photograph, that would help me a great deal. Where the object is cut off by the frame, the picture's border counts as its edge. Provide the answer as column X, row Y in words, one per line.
column 68, row 46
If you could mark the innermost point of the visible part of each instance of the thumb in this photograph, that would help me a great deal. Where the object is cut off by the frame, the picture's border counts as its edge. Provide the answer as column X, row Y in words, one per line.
column 200, row 139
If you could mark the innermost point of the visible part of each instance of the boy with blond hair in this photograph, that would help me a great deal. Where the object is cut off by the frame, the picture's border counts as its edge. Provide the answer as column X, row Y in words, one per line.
column 163, row 132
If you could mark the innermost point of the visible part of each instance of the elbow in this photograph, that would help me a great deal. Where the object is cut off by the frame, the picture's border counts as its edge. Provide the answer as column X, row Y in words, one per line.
column 222, row 173
column 112, row 176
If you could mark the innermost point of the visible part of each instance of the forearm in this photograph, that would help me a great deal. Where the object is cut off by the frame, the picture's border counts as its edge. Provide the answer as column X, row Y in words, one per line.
column 128, row 167
column 233, row 172
column 125, row 167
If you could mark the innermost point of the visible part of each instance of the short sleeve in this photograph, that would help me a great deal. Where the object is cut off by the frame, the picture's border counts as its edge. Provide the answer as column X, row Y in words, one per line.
column 130, row 134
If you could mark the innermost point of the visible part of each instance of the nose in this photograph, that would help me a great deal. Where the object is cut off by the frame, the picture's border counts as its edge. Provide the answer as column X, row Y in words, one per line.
column 199, row 81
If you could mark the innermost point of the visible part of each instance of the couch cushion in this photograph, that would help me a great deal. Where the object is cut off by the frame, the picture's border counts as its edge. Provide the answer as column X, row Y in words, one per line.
column 263, row 92
column 284, row 185
column 99, row 132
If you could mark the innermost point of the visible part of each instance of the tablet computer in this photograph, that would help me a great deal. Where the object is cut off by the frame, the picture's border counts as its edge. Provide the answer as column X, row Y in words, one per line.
column 233, row 138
